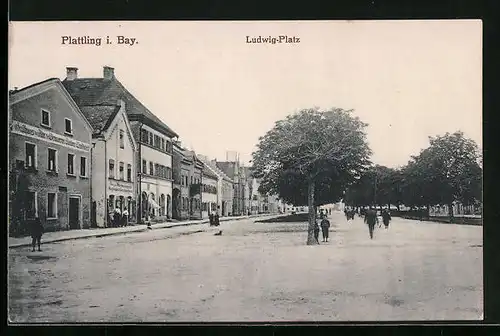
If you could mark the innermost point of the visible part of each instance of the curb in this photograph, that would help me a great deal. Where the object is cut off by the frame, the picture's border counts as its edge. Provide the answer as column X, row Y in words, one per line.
column 140, row 228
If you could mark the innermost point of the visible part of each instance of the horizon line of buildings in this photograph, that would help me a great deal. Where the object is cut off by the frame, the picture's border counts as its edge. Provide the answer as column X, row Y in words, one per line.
column 81, row 147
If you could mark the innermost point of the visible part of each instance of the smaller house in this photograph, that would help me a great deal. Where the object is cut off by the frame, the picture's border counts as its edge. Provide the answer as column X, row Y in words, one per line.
column 209, row 192
column 113, row 156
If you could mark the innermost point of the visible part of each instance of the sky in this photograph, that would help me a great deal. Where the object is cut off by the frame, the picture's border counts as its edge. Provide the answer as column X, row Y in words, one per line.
column 407, row 80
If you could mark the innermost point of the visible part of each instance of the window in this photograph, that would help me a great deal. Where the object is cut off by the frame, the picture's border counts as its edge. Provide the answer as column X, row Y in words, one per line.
column 51, row 205
column 144, row 136
column 129, row 173
column 144, row 166
column 151, row 172
column 45, row 118
column 122, row 168
column 31, row 205
column 83, row 166
column 192, row 179
column 151, row 139
column 68, row 127
column 157, row 170
column 71, row 164
column 30, row 155
column 156, row 141
column 162, row 145
column 52, row 160
column 122, row 140
column 111, row 168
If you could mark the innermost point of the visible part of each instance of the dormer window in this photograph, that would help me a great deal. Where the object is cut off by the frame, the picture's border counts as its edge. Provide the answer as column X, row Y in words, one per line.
column 122, row 139
column 45, row 118
column 68, row 126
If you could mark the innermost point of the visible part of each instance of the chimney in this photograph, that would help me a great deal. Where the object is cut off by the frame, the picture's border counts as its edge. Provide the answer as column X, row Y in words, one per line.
column 108, row 72
column 122, row 104
column 71, row 73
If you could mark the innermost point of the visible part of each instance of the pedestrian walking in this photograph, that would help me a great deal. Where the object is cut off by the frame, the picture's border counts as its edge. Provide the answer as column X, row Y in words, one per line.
column 371, row 219
column 36, row 233
column 325, row 227
column 116, row 217
column 386, row 218
column 125, row 217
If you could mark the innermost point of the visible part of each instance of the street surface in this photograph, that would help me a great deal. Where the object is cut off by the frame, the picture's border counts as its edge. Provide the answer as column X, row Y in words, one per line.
column 254, row 272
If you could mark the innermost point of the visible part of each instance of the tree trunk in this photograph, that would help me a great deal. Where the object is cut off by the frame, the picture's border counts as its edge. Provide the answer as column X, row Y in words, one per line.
column 450, row 212
column 312, row 214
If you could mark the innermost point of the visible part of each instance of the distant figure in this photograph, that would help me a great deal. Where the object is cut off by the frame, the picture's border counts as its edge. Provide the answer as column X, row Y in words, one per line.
column 346, row 213
column 386, row 218
column 36, row 233
column 211, row 218
column 216, row 219
column 371, row 219
column 316, row 232
column 325, row 226
column 116, row 217
column 125, row 217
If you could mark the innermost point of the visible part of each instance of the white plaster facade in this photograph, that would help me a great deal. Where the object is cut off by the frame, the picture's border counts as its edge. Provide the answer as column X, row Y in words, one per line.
column 210, row 200
column 154, row 186
column 113, row 169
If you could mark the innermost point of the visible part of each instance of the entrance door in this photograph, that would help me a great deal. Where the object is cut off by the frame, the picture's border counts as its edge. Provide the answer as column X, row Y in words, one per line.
column 74, row 213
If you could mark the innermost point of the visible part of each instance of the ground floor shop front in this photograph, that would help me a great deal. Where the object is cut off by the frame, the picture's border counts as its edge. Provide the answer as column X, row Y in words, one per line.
column 155, row 200
column 59, row 207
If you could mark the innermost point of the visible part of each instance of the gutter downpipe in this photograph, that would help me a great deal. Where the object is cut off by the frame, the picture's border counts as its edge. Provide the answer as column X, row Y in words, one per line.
column 139, row 174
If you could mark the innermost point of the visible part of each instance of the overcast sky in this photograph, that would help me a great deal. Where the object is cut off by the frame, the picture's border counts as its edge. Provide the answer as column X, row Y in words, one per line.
column 407, row 79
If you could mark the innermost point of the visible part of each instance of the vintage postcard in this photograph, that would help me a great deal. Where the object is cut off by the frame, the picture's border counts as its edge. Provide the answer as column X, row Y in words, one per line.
column 245, row 171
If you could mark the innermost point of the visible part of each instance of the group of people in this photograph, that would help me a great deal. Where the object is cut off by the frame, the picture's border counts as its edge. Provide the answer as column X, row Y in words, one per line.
column 214, row 218
column 371, row 219
column 324, row 224
column 349, row 213
column 120, row 218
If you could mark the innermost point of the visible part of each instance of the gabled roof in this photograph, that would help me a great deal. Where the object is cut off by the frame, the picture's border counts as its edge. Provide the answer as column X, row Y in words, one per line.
column 101, row 91
column 207, row 171
column 100, row 116
column 36, row 88
column 227, row 168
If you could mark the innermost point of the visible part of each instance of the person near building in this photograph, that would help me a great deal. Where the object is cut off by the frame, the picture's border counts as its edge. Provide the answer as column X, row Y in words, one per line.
column 216, row 219
column 116, row 217
column 125, row 217
column 36, row 233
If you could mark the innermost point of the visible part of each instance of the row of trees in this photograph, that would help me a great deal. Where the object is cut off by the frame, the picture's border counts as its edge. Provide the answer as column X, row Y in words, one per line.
column 447, row 171
column 318, row 157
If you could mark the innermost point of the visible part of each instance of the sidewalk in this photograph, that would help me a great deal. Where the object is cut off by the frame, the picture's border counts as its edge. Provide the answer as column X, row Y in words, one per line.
column 51, row 237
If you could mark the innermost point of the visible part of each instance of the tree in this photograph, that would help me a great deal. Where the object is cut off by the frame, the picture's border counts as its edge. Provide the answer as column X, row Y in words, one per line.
column 445, row 172
column 311, row 157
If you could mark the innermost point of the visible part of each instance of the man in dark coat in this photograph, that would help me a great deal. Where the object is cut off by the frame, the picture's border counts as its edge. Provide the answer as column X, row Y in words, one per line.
column 325, row 226
column 36, row 233
column 371, row 219
column 386, row 217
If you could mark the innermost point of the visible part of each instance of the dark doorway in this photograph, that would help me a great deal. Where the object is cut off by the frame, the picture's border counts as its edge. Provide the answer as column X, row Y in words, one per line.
column 94, row 214
column 74, row 213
